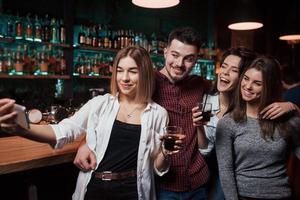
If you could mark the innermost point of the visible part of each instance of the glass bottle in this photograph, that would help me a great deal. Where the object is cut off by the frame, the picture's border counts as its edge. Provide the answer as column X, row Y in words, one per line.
column 53, row 31
column 18, row 28
column 19, row 62
column 46, row 30
column 37, row 30
column 62, row 32
column 81, row 36
column 28, row 29
column 10, row 27
column 62, row 63
column 26, row 60
column 88, row 38
column 94, row 37
column 43, row 62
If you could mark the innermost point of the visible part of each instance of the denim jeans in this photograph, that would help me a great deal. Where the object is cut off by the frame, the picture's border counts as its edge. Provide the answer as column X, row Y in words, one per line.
column 217, row 191
column 197, row 194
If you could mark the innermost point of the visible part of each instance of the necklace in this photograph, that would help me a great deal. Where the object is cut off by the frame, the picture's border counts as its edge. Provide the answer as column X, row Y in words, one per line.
column 130, row 114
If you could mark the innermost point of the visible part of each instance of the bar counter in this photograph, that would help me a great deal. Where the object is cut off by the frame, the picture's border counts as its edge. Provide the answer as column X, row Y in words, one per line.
column 19, row 154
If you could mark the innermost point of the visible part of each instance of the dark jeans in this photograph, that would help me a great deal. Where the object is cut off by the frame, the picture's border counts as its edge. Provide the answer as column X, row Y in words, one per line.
column 125, row 189
column 197, row 194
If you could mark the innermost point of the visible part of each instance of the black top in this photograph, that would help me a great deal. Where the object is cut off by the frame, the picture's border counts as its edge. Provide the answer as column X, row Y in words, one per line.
column 122, row 151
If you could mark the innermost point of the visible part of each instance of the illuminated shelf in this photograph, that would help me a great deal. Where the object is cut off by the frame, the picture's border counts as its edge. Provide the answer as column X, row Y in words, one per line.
column 91, row 77
column 6, row 76
column 12, row 40
column 89, row 48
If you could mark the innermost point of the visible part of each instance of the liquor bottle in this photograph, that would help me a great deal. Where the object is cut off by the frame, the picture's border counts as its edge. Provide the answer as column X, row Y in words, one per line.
column 154, row 43
column 18, row 62
column 99, row 34
column 81, row 36
column 43, row 62
column 37, row 30
column 53, row 31
column 62, row 63
column 94, row 37
column 62, row 32
column 88, row 38
column 9, row 60
column 18, row 28
column 10, row 28
column 51, row 60
column 2, row 25
column 46, row 30
column 26, row 60
column 28, row 29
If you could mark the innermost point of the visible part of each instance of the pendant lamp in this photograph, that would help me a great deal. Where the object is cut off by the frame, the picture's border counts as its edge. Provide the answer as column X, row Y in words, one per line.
column 155, row 3
column 290, row 30
column 245, row 16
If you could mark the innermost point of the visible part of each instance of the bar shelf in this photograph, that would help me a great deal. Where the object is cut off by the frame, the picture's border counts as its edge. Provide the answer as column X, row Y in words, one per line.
column 6, row 76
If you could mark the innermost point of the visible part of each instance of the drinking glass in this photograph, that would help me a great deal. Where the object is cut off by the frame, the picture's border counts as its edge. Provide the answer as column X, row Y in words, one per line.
column 170, row 136
column 205, row 108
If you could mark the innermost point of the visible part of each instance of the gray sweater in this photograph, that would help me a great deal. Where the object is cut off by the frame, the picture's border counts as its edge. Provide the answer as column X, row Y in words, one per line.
column 249, row 166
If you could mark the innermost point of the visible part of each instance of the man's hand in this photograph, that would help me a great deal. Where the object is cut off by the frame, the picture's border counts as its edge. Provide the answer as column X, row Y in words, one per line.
column 85, row 158
column 276, row 110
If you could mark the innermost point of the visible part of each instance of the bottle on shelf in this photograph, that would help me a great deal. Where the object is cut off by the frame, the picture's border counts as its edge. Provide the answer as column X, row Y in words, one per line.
column 43, row 68
column 62, row 63
column 46, row 30
column 53, row 31
column 28, row 29
column 94, row 37
column 51, row 60
column 8, row 60
column 18, row 28
column 154, row 43
column 88, row 38
column 37, row 30
column 81, row 36
column 9, row 28
column 18, row 62
column 27, row 68
column 62, row 32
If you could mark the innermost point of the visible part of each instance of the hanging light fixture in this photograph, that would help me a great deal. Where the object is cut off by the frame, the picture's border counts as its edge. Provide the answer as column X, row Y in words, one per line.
column 245, row 16
column 290, row 31
column 155, row 3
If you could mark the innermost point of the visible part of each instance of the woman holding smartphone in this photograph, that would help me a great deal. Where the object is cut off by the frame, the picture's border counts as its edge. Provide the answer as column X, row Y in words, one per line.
column 122, row 129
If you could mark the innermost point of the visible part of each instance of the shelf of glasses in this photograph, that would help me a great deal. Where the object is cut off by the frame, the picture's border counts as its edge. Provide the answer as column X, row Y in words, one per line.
column 6, row 76
column 12, row 40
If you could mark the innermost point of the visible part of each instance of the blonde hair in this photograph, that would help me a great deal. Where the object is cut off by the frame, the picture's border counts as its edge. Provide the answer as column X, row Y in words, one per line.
column 143, row 61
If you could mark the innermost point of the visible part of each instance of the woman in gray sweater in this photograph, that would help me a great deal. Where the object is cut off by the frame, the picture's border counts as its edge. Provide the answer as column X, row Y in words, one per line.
column 252, row 151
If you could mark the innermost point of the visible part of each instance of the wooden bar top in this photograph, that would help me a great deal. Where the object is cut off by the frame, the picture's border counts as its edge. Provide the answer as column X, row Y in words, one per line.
column 19, row 154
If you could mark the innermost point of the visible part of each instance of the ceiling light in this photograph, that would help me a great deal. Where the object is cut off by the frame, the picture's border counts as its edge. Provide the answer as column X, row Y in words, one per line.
column 241, row 26
column 155, row 3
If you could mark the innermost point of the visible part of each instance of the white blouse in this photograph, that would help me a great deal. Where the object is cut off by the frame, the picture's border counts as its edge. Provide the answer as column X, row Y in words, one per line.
column 96, row 119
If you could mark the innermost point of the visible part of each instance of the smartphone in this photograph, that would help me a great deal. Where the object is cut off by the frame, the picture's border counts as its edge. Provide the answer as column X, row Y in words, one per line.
column 22, row 118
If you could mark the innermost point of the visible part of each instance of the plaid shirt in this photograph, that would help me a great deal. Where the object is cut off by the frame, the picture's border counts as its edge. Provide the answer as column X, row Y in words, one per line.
column 188, row 169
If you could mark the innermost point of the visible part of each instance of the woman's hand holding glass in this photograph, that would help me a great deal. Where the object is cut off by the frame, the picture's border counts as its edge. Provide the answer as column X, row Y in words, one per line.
column 201, row 114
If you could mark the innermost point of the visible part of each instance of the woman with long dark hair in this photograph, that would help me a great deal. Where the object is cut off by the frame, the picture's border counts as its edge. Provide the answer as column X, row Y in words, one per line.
column 252, row 151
